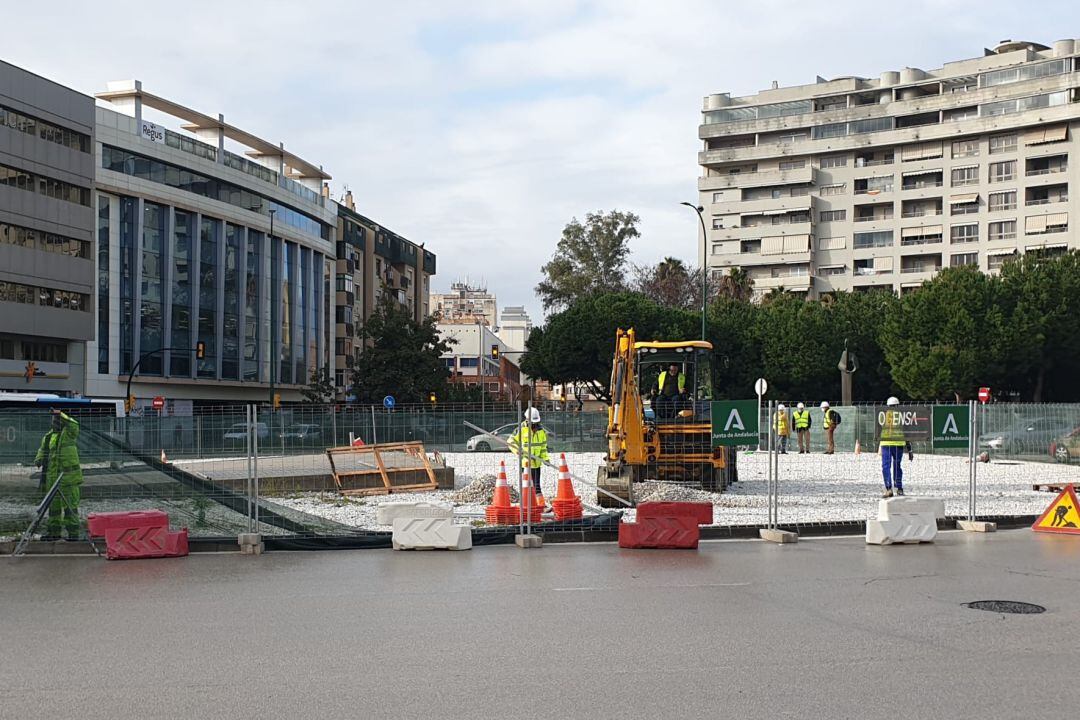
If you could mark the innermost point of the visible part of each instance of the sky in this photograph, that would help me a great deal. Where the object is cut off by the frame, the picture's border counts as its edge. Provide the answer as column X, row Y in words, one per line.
column 481, row 127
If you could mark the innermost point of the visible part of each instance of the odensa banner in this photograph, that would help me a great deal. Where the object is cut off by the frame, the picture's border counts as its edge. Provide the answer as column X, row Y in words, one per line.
column 902, row 422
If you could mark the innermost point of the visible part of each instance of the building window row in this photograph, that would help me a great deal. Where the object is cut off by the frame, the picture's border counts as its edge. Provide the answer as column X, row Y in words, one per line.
column 1018, row 105
column 37, row 351
column 45, row 297
column 45, row 130
column 855, row 127
column 56, row 189
column 1024, row 72
column 190, row 181
column 44, row 241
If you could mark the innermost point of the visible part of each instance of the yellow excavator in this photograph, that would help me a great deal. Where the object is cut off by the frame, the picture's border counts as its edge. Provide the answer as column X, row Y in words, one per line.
column 670, row 439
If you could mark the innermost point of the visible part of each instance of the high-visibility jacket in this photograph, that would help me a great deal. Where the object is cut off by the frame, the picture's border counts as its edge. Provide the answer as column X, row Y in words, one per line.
column 782, row 424
column 802, row 419
column 531, row 439
column 892, row 433
column 59, row 454
column 828, row 419
column 663, row 381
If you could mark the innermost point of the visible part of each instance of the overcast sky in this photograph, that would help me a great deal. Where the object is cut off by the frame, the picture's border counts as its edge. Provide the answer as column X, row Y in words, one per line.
column 480, row 128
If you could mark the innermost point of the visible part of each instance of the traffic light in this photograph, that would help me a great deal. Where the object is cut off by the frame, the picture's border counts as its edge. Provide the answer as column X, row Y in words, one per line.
column 129, row 404
column 277, row 400
column 431, row 398
column 494, row 352
column 200, row 350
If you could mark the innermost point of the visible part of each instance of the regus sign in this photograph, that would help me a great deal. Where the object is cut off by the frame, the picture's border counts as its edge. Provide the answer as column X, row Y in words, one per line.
column 152, row 132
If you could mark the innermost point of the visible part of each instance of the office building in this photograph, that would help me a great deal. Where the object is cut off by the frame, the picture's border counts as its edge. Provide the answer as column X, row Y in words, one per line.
column 861, row 184
column 373, row 261
column 472, row 363
column 46, row 233
column 466, row 302
column 200, row 244
column 514, row 327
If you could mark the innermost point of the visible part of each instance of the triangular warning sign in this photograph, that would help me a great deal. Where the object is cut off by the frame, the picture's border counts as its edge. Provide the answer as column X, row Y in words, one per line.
column 1063, row 515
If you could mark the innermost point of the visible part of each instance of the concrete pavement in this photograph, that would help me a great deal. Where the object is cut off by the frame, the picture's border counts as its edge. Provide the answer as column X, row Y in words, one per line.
column 826, row 628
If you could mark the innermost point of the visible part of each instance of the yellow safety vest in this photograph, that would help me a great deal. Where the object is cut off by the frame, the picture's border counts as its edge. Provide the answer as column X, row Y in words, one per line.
column 802, row 419
column 663, row 379
column 892, row 434
column 827, row 420
column 534, row 441
column 782, row 427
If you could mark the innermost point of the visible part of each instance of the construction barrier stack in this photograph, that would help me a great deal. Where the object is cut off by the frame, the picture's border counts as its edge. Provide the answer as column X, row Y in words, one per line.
column 501, row 511
column 137, row 534
column 666, row 525
column 566, row 505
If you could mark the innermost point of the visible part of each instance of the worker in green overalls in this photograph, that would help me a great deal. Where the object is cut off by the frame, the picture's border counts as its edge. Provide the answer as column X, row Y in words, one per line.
column 58, row 457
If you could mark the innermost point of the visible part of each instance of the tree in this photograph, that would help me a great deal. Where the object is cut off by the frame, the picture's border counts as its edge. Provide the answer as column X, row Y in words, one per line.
column 737, row 285
column 668, row 283
column 1043, row 295
column 590, row 258
column 320, row 391
column 949, row 337
column 401, row 357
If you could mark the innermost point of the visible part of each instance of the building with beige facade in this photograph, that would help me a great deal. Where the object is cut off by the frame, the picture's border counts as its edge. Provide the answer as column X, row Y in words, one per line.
column 465, row 303
column 862, row 184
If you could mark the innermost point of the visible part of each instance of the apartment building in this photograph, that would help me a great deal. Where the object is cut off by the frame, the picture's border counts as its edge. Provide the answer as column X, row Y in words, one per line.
column 373, row 261
column 46, row 233
column 466, row 302
column 863, row 184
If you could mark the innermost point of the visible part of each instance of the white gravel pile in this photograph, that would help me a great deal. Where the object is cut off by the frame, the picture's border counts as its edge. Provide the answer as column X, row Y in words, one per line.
column 813, row 488
column 479, row 491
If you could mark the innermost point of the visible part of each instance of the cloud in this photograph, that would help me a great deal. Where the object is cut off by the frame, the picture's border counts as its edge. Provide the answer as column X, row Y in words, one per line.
column 480, row 128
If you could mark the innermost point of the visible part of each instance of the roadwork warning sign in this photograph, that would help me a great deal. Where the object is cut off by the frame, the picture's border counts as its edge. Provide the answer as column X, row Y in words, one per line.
column 1063, row 515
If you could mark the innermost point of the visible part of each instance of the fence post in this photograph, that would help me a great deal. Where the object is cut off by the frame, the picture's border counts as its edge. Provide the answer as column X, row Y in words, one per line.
column 255, row 463
column 374, row 432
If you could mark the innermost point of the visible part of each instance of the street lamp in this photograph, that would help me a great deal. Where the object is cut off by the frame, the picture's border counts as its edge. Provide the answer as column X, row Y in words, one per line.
column 704, row 264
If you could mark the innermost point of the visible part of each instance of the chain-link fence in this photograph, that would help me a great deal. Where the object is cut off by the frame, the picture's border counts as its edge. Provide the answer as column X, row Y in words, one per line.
column 226, row 470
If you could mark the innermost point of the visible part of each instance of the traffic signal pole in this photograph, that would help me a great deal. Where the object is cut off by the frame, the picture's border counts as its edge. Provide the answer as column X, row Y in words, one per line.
column 129, row 402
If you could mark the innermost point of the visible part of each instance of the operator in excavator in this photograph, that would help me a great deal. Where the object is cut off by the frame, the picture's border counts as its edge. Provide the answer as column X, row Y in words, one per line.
column 671, row 394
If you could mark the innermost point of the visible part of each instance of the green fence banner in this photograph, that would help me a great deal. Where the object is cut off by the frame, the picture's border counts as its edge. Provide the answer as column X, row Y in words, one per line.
column 734, row 422
column 952, row 426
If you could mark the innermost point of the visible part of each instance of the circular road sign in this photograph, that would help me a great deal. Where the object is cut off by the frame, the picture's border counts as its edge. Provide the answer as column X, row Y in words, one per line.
column 388, row 401
column 984, row 394
column 761, row 386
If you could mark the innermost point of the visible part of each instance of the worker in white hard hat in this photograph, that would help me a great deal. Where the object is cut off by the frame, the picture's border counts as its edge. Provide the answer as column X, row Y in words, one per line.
column 801, row 418
column 829, row 420
column 531, row 439
column 782, row 427
column 891, row 445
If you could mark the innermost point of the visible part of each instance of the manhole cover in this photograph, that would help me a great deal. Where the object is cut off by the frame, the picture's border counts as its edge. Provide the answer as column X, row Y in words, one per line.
column 1006, row 606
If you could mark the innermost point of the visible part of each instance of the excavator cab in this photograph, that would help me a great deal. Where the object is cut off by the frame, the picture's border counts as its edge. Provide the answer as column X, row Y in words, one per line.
column 675, row 380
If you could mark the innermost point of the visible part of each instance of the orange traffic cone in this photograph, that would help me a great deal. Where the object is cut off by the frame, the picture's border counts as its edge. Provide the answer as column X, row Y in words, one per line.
column 567, row 505
column 164, row 459
column 500, row 511
column 529, row 511
column 858, row 447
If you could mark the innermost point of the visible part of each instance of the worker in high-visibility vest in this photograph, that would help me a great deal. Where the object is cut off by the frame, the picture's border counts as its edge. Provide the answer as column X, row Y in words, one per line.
column 58, row 458
column 829, row 420
column 782, row 427
column 801, row 419
column 891, row 444
column 530, row 440
column 670, row 391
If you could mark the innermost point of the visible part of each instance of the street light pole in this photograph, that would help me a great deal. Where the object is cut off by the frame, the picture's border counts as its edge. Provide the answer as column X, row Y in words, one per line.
column 704, row 264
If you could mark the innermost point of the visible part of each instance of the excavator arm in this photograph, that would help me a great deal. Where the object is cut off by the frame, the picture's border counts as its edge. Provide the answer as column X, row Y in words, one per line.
column 626, row 429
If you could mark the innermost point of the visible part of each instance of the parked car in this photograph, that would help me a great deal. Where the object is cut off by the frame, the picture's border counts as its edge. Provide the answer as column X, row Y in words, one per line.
column 237, row 434
column 1030, row 436
column 496, row 439
column 302, row 433
column 1067, row 447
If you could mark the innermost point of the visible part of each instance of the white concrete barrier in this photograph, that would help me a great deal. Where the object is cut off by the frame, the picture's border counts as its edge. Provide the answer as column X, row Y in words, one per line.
column 905, row 520
column 430, row 534
column 387, row 512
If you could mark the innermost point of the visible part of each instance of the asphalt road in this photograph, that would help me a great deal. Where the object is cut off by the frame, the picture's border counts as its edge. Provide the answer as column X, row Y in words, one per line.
column 827, row 628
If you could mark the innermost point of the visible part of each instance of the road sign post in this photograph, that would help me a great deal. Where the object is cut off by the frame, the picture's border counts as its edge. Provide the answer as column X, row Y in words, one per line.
column 389, row 402
column 734, row 422
column 761, row 387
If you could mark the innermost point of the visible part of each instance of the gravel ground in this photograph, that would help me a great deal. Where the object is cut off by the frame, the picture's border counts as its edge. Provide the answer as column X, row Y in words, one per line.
column 814, row 488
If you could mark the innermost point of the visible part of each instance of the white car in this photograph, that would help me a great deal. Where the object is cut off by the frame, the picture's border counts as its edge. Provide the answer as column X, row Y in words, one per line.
column 237, row 433
column 494, row 440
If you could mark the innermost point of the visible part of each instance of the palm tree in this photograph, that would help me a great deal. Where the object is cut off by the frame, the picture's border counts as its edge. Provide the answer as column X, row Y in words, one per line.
column 737, row 285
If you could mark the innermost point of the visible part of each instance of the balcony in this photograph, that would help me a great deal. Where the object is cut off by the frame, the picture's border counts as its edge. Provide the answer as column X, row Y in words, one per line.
column 758, row 179
column 923, row 268
column 1035, row 172
column 790, row 282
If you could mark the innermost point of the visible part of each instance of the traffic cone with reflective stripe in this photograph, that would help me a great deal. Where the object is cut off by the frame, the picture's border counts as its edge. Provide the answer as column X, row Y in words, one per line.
column 500, row 511
column 858, row 447
column 529, row 511
column 567, row 505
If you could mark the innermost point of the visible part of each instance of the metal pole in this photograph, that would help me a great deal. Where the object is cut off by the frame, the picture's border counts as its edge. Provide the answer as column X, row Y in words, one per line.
column 374, row 433
column 769, row 460
column 273, row 354
column 973, row 446
column 247, row 452
column 255, row 461
column 521, row 485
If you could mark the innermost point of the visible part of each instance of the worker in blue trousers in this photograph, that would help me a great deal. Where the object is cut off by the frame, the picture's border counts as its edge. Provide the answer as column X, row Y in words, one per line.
column 892, row 445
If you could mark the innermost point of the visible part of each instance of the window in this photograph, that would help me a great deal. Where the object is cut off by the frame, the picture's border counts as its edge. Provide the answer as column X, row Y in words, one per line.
column 964, row 233
column 832, row 270
column 833, row 215
column 717, row 224
column 44, row 130
column 870, row 125
column 1002, row 171
column 965, row 176
column 55, row 189
column 46, row 242
column 995, row 261
column 45, row 297
column 821, row 132
column 961, row 259
column 1015, row 105
column 832, row 243
column 833, row 189
column 1002, row 230
column 1023, row 72
column 1002, row 144
column 792, row 164
column 883, row 238
column 1002, row 200
column 750, row 246
column 964, row 208
column 800, row 190
column 965, row 148
column 831, row 161
column 44, row 351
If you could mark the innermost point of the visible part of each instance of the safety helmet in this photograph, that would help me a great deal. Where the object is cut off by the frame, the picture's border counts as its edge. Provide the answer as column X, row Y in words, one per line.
column 532, row 415
column 893, row 400
column 800, row 406
column 781, row 406
column 824, row 404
